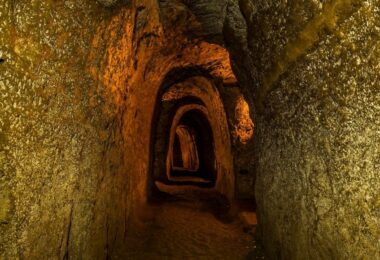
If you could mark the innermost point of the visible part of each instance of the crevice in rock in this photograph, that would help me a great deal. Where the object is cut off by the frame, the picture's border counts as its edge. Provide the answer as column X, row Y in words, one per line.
column 68, row 235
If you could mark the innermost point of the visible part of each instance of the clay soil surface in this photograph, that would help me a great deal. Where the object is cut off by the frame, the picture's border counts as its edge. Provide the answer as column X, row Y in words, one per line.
column 193, row 224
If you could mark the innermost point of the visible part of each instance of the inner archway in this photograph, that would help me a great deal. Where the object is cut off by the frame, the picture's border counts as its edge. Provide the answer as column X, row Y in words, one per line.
column 185, row 150
column 191, row 154
column 191, row 140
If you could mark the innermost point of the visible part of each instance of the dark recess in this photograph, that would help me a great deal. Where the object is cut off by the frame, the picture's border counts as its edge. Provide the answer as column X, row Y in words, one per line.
column 243, row 172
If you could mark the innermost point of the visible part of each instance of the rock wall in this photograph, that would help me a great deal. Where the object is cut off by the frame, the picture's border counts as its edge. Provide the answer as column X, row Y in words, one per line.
column 60, row 152
column 312, row 68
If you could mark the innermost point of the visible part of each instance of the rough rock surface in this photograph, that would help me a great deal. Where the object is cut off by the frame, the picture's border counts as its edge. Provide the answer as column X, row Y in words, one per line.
column 52, row 128
column 108, row 3
column 317, row 115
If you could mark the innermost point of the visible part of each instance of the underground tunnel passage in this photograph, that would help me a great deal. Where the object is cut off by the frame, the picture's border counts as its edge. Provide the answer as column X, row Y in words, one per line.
column 191, row 139
column 192, row 170
column 185, row 151
column 189, row 129
column 191, row 154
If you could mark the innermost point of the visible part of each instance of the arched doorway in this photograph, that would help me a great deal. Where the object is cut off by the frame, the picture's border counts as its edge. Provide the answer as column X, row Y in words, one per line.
column 191, row 153
column 190, row 139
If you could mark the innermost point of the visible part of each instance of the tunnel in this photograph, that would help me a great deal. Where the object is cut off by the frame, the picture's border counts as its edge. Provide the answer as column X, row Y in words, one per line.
column 190, row 156
column 184, row 156
column 191, row 137
column 192, row 151
column 189, row 129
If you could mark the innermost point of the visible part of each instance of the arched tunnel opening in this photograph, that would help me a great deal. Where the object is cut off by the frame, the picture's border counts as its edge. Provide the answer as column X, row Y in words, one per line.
column 191, row 139
column 197, row 133
column 192, row 154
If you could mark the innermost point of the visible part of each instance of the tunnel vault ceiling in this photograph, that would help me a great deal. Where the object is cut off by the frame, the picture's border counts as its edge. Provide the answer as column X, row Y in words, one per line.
column 79, row 85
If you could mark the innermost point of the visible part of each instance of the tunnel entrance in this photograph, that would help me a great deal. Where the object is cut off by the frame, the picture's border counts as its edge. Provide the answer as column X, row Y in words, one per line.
column 185, row 150
column 192, row 155
column 190, row 138
column 190, row 150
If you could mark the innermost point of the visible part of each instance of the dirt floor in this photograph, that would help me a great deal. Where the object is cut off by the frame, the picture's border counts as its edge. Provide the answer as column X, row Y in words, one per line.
column 195, row 224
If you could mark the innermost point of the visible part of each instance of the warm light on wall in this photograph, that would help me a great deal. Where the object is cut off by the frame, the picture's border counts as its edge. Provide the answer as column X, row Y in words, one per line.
column 243, row 122
column 187, row 149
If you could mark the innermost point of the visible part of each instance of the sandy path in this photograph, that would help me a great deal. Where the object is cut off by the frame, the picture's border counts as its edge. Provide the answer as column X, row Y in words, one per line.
column 188, row 229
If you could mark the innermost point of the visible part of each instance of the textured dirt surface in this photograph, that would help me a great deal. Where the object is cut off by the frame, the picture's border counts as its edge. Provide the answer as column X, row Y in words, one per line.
column 190, row 227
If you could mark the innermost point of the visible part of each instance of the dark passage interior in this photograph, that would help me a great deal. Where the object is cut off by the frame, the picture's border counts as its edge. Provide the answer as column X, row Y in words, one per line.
column 190, row 136
column 193, row 148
